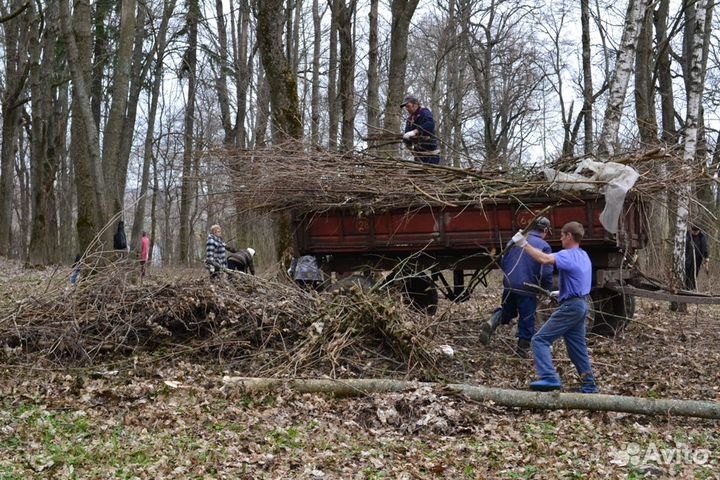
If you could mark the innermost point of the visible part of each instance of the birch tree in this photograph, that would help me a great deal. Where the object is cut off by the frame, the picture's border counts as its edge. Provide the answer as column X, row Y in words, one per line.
column 620, row 76
column 694, row 96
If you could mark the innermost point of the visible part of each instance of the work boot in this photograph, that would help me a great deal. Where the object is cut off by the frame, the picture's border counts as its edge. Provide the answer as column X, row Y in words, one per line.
column 545, row 385
column 488, row 327
column 523, row 346
column 587, row 384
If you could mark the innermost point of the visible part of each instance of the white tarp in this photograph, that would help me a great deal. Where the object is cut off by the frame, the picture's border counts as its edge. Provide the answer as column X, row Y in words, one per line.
column 613, row 179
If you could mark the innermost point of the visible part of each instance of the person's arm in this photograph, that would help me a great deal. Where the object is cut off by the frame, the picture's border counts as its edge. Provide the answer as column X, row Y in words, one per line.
column 546, row 271
column 210, row 251
column 538, row 255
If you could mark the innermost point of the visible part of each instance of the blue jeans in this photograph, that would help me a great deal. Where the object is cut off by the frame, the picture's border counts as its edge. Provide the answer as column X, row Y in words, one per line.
column 568, row 322
column 524, row 306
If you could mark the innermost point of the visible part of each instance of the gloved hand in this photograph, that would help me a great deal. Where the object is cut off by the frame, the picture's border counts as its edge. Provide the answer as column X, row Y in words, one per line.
column 555, row 294
column 289, row 272
column 410, row 134
column 519, row 239
column 707, row 266
column 211, row 268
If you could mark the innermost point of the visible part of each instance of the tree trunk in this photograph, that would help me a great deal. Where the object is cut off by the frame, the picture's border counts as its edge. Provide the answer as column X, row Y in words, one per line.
column 188, row 184
column 402, row 14
column 645, row 85
column 243, row 72
column 620, row 76
column 694, row 95
column 222, row 69
column 350, row 387
column 283, row 85
column 345, row 14
column 333, row 107
column 160, row 47
column 587, row 108
column 89, row 179
column 15, row 43
column 373, row 73
column 113, row 132
column 664, row 72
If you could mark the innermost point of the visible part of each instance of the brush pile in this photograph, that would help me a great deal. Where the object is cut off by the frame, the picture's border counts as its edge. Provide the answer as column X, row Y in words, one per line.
column 272, row 328
column 282, row 178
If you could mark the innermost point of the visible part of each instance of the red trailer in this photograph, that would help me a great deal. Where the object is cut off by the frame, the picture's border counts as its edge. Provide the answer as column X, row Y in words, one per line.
column 422, row 242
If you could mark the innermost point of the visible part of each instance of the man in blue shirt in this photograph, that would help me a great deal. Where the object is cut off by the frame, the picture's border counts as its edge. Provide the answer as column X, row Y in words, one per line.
column 420, row 123
column 518, row 300
column 568, row 321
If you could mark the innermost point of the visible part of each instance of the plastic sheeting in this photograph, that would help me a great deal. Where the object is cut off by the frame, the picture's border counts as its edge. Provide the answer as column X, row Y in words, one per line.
column 612, row 179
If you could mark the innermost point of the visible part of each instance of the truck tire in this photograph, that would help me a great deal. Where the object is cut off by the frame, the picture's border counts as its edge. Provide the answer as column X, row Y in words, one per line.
column 348, row 283
column 420, row 293
column 613, row 311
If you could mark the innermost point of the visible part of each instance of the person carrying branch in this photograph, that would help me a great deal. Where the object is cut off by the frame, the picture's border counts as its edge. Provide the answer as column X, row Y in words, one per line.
column 420, row 123
column 569, row 320
column 697, row 254
column 518, row 300
column 306, row 272
column 242, row 260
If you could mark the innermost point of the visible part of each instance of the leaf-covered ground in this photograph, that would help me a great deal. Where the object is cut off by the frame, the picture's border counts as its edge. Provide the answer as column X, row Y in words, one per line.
column 163, row 416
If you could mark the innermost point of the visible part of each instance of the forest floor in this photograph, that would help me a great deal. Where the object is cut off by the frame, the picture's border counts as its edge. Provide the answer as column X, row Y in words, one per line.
column 160, row 415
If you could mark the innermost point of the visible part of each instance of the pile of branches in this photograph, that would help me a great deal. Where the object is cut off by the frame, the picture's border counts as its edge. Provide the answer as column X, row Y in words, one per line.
column 271, row 327
column 293, row 177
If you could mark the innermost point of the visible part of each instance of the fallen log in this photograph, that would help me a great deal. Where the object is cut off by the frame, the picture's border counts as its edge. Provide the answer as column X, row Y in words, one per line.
column 500, row 396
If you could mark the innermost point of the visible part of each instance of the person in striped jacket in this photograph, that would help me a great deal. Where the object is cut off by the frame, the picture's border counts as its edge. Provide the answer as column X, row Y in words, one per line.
column 216, row 257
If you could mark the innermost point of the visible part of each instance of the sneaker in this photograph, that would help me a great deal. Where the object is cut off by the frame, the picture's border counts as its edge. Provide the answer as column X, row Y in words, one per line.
column 545, row 385
column 522, row 349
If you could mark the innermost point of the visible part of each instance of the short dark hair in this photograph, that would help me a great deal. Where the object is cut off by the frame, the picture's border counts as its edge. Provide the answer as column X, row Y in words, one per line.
column 575, row 229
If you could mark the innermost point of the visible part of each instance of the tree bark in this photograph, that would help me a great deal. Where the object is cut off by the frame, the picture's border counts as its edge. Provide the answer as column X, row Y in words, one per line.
column 188, row 184
column 373, row 74
column 333, row 106
column 17, row 67
column 620, row 76
column 402, row 14
column 587, row 108
column 694, row 95
column 344, row 14
column 498, row 396
column 222, row 69
column 645, row 85
column 89, row 179
column 160, row 47
column 283, row 85
column 664, row 73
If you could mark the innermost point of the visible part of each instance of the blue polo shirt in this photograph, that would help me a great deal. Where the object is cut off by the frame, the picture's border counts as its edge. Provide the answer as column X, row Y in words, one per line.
column 575, row 271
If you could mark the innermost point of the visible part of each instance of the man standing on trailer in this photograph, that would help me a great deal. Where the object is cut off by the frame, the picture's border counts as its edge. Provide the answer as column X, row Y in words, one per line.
column 420, row 123
column 569, row 320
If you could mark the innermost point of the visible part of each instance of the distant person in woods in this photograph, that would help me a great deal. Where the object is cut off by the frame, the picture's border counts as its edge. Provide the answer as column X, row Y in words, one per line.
column 215, row 259
column 306, row 272
column 144, row 253
column 119, row 239
column 420, row 123
column 242, row 260
column 75, row 275
column 697, row 254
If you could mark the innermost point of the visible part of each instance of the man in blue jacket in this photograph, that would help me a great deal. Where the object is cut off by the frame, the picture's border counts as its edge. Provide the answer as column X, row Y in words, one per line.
column 517, row 300
column 420, row 123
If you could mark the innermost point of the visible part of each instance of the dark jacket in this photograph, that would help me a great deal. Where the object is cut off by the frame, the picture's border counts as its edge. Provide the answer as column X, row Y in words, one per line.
column 242, row 261
column 119, row 239
column 423, row 121
column 697, row 250
column 518, row 267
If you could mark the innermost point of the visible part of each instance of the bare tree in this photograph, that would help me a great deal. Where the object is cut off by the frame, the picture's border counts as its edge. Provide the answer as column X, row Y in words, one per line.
column 645, row 84
column 373, row 81
column 344, row 14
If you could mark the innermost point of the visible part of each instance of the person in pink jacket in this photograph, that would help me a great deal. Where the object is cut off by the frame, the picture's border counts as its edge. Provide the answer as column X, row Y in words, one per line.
column 144, row 252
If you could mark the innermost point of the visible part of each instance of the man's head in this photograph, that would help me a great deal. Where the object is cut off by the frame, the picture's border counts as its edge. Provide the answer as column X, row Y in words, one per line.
column 251, row 251
column 144, row 234
column 571, row 234
column 411, row 104
column 542, row 225
column 216, row 230
column 694, row 229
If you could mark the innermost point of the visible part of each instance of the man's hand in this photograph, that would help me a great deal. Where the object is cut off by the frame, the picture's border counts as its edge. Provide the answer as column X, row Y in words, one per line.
column 555, row 294
column 519, row 239
column 707, row 266
column 410, row 134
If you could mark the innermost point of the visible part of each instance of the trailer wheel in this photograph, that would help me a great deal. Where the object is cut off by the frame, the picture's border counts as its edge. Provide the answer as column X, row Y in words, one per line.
column 613, row 311
column 420, row 293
